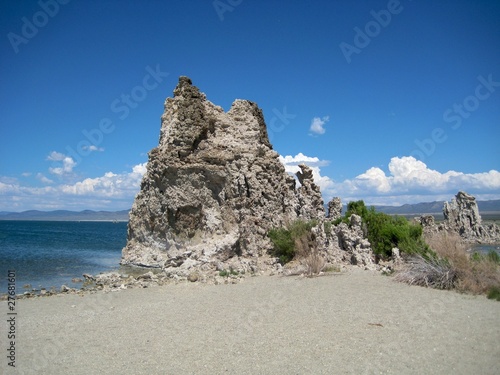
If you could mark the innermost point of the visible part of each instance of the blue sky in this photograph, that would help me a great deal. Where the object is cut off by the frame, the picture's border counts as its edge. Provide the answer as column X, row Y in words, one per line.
column 389, row 101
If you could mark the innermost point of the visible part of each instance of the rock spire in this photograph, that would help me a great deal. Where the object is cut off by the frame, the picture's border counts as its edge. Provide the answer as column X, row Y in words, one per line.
column 214, row 187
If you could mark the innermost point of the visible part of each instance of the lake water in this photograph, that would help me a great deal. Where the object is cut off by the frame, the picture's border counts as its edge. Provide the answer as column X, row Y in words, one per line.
column 51, row 253
column 485, row 249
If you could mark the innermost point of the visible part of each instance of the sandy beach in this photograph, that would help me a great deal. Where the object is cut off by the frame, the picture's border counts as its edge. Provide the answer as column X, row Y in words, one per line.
column 358, row 322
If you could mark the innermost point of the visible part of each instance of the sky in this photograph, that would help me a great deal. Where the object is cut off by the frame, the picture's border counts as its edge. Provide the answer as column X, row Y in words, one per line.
column 391, row 102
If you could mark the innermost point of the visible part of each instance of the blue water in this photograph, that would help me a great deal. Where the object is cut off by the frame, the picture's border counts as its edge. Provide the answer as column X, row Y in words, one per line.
column 485, row 249
column 51, row 253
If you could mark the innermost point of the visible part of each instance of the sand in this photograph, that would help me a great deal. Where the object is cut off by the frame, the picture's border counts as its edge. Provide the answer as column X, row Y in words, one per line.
column 358, row 322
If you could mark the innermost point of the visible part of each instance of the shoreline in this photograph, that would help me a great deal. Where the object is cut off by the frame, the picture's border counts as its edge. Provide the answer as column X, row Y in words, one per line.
column 136, row 271
column 352, row 322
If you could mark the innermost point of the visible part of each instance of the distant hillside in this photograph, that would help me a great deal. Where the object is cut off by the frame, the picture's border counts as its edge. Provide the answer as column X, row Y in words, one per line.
column 492, row 206
column 63, row 215
column 413, row 209
column 434, row 208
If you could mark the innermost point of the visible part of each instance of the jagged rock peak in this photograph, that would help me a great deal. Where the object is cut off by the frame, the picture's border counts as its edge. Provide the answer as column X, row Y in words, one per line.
column 461, row 216
column 213, row 188
column 462, row 213
column 186, row 89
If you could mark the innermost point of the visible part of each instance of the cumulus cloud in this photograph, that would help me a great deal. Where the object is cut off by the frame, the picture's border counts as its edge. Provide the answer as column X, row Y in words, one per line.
column 56, row 156
column 375, row 179
column 318, row 125
column 111, row 191
column 43, row 179
column 111, row 185
column 292, row 163
column 409, row 174
column 300, row 158
column 67, row 164
column 408, row 181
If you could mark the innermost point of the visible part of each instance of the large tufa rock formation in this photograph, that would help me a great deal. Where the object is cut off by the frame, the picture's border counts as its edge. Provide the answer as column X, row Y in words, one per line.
column 213, row 188
column 461, row 216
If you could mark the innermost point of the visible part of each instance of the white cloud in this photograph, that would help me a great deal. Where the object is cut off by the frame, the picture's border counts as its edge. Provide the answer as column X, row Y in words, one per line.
column 111, row 191
column 291, row 164
column 409, row 181
column 374, row 178
column 44, row 179
column 56, row 156
column 67, row 164
column 139, row 169
column 317, row 125
column 300, row 158
column 93, row 148
column 110, row 185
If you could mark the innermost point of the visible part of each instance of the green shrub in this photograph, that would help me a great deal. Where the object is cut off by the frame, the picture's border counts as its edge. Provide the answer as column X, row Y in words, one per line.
column 286, row 241
column 476, row 257
column 226, row 273
column 493, row 256
column 339, row 220
column 328, row 226
column 386, row 232
column 358, row 208
column 494, row 293
column 283, row 243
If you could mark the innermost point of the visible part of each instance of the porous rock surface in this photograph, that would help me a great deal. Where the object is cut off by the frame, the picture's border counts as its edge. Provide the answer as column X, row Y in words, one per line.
column 334, row 209
column 213, row 188
column 356, row 248
column 461, row 216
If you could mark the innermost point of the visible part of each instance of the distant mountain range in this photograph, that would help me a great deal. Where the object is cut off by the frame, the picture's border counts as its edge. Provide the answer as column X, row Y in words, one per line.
column 486, row 208
column 89, row 215
column 434, row 208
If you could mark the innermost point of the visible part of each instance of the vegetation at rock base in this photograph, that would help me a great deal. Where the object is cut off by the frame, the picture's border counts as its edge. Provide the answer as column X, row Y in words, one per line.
column 494, row 293
column 227, row 273
column 295, row 239
column 428, row 271
column 452, row 267
column 386, row 232
column 440, row 261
